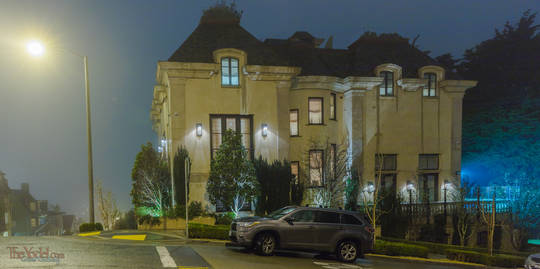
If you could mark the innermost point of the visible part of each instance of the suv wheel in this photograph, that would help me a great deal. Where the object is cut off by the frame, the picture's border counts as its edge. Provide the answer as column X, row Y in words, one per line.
column 347, row 251
column 265, row 244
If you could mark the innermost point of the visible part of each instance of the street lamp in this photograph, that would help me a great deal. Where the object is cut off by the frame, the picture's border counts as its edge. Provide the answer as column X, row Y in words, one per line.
column 410, row 188
column 36, row 48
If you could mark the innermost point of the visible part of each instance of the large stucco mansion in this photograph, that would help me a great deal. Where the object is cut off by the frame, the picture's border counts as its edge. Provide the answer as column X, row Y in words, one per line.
column 381, row 96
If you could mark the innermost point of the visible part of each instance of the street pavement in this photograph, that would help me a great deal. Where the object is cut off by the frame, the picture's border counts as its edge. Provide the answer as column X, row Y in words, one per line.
column 161, row 251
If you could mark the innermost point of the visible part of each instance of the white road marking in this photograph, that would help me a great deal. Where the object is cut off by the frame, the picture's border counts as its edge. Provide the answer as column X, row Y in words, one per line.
column 165, row 257
column 336, row 265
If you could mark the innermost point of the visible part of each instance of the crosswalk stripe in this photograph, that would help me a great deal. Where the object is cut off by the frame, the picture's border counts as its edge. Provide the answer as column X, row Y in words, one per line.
column 165, row 257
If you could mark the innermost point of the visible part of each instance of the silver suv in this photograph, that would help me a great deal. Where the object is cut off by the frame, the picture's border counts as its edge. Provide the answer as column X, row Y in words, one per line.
column 345, row 233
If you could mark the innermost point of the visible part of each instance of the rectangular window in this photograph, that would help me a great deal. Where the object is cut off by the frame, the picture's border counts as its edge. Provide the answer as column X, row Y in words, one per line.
column 326, row 217
column 387, row 87
column 428, row 187
column 315, row 107
column 388, row 182
column 293, row 119
column 388, row 162
column 229, row 72
column 316, row 167
column 332, row 106
column 430, row 88
column 295, row 169
column 428, row 162
column 239, row 123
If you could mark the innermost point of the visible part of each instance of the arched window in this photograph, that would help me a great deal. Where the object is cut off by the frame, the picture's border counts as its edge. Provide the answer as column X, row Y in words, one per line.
column 229, row 72
column 387, row 87
column 430, row 88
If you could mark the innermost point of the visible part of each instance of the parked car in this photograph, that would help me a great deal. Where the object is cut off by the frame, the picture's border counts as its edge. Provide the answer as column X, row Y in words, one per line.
column 345, row 233
column 533, row 261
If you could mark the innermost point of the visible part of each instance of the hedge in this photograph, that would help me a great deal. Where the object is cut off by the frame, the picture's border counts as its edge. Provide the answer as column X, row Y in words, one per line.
column 500, row 260
column 209, row 231
column 439, row 248
column 90, row 227
column 400, row 249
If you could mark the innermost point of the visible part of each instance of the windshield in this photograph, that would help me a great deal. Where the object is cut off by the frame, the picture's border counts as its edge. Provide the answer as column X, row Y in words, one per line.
column 280, row 212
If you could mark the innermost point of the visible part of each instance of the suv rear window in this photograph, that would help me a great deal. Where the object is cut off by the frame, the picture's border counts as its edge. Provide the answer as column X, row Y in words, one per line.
column 303, row 216
column 326, row 217
column 350, row 219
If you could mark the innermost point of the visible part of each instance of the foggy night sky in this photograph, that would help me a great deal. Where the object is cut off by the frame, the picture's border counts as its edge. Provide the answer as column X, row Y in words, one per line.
column 42, row 112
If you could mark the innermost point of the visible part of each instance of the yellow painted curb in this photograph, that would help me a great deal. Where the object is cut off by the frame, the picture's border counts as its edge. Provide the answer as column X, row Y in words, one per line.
column 89, row 234
column 139, row 237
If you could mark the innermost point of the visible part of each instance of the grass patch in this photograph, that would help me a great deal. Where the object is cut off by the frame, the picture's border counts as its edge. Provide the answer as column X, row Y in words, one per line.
column 400, row 249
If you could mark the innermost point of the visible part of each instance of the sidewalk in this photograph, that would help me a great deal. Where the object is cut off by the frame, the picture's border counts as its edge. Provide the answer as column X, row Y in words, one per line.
column 436, row 259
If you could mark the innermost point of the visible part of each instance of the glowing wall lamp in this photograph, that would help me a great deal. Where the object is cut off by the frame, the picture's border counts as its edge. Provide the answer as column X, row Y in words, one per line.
column 370, row 188
column 198, row 129
column 410, row 188
column 264, row 128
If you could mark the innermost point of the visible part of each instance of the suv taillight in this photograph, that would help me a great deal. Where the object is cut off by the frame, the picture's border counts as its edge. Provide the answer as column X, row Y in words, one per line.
column 369, row 229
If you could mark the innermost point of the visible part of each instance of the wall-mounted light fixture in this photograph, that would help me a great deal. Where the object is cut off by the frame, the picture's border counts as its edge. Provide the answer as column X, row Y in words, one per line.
column 198, row 129
column 447, row 185
column 370, row 187
column 264, row 129
column 410, row 185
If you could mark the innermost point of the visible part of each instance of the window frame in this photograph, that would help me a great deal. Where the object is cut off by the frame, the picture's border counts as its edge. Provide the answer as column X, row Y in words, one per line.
column 297, row 163
column 322, row 110
column 333, row 107
column 432, row 78
column 297, row 111
column 229, row 59
column 427, row 164
column 320, row 168
column 237, row 118
column 383, row 169
column 386, row 84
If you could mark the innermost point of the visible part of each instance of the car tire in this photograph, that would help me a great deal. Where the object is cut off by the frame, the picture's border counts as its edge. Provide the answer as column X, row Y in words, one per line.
column 347, row 251
column 265, row 244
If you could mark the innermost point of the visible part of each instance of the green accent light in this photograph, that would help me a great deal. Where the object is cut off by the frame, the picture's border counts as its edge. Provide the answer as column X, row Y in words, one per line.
column 534, row 242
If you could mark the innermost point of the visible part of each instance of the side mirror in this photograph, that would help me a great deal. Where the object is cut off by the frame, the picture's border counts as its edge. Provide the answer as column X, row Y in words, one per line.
column 290, row 220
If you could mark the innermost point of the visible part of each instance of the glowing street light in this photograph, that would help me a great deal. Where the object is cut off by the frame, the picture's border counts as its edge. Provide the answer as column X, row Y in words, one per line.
column 36, row 48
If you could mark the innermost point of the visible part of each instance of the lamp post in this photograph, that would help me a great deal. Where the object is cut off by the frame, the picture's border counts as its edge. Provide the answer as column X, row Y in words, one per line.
column 410, row 188
column 445, row 189
column 35, row 48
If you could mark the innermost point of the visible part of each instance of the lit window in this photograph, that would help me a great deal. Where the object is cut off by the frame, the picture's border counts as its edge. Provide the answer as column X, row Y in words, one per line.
column 293, row 119
column 388, row 162
column 387, row 87
column 229, row 72
column 315, row 107
column 316, row 167
column 34, row 223
column 430, row 88
column 237, row 123
column 295, row 170
column 428, row 162
column 332, row 106
column 333, row 159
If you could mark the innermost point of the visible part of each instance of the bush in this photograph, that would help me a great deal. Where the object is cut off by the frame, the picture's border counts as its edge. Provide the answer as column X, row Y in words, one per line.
column 400, row 249
column 224, row 219
column 90, row 227
column 179, row 211
column 195, row 209
column 147, row 219
column 208, row 231
column 500, row 260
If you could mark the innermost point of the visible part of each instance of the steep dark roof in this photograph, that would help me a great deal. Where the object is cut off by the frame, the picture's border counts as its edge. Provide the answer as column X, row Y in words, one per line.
column 208, row 37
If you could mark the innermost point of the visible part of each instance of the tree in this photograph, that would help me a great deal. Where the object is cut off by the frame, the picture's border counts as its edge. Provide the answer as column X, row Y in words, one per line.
column 352, row 190
column 151, row 182
column 276, row 182
column 489, row 217
column 179, row 169
column 372, row 195
column 332, row 160
column 232, row 181
column 107, row 206
column 128, row 220
column 463, row 217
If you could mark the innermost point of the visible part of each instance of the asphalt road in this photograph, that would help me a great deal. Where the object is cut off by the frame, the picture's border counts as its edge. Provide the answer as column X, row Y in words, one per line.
column 72, row 252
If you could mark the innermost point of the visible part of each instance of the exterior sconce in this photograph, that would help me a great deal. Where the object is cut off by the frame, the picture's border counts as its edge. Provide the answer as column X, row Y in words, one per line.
column 198, row 129
column 447, row 185
column 264, row 128
column 410, row 186
column 370, row 187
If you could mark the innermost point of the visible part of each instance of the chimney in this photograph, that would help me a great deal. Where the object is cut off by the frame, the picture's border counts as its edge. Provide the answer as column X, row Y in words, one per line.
column 25, row 187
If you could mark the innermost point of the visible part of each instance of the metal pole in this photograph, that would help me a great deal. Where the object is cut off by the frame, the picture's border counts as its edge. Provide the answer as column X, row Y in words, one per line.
column 89, row 137
column 186, row 167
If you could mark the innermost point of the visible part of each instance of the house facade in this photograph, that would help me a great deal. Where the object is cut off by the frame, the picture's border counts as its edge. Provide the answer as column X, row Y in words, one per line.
column 395, row 110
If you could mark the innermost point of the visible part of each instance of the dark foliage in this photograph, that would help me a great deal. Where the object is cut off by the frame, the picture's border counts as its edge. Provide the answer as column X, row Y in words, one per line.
column 147, row 219
column 224, row 219
column 434, row 232
column 220, row 232
column 351, row 191
column 195, row 209
column 179, row 169
column 499, row 260
column 127, row 221
column 90, row 227
column 276, row 185
column 394, row 222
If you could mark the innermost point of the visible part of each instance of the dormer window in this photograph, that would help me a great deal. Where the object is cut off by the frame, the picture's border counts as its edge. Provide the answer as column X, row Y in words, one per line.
column 229, row 72
column 387, row 87
column 430, row 88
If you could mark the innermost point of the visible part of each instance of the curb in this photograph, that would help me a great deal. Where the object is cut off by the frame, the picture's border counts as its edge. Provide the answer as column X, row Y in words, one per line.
column 426, row 260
